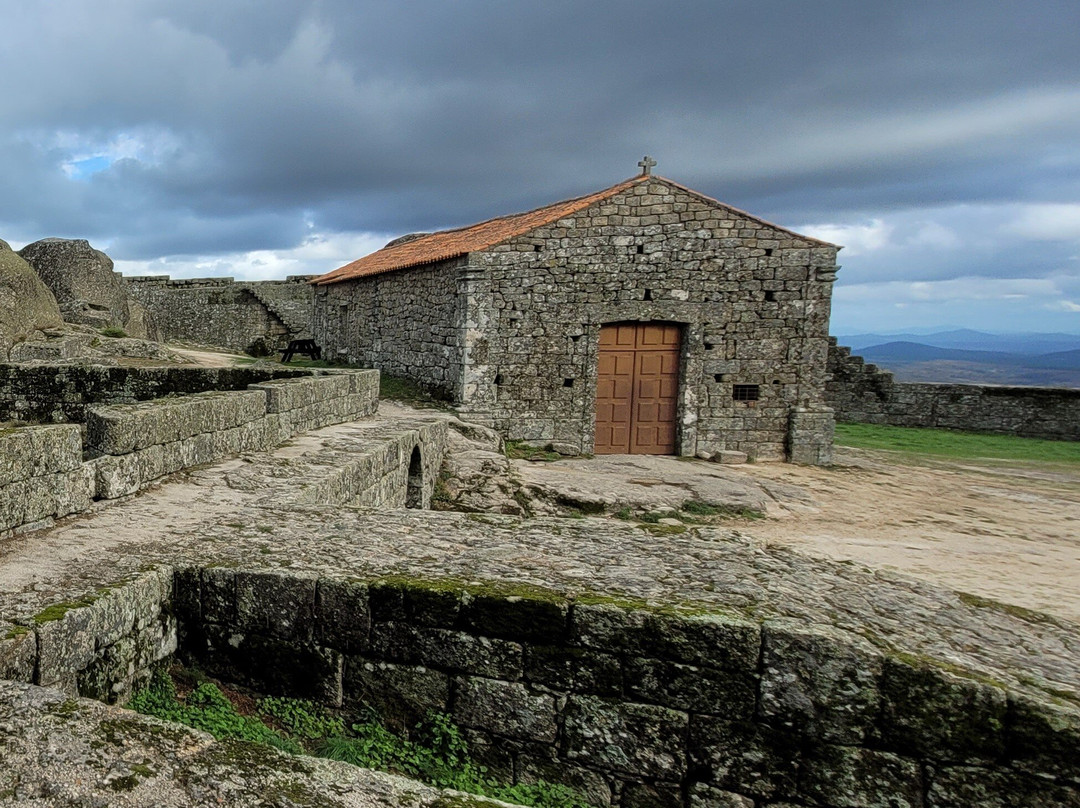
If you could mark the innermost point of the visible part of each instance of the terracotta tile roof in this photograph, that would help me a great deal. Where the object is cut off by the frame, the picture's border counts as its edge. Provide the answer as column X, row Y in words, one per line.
column 432, row 247
column 446, row 244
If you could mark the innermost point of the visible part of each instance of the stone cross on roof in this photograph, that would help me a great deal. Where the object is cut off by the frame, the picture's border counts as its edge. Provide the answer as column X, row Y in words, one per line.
column 646, row 165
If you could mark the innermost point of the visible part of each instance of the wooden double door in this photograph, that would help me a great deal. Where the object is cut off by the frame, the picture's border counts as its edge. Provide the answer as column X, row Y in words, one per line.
column 637, row 388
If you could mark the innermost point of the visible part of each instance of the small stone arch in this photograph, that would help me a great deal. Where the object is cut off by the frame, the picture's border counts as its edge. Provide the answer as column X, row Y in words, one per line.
column 414, row 488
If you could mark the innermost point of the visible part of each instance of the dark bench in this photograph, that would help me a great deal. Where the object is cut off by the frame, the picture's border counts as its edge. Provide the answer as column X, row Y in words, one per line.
column 307, row 347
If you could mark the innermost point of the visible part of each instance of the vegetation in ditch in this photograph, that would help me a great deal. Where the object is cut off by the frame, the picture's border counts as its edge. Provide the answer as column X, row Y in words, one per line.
column 113, row 332
column 959, row 445
column 520, row 450
column 435, row 751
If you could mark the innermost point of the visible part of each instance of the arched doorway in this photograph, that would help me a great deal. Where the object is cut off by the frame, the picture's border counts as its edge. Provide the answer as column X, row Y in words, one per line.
column 637, row 388
column 414, row 489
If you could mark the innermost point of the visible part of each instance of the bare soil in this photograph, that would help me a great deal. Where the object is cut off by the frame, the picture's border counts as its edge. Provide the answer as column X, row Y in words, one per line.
column 1005, row 530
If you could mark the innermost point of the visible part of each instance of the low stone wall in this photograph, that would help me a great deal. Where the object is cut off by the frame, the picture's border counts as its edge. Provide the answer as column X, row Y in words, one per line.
column 101, row 646
column 43, row 474
column 224, row 312
column 863, row 393
column 632, row 705
column 62, row 393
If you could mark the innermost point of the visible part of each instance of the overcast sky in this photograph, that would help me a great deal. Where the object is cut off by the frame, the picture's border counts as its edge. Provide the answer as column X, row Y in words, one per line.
column 939, row 141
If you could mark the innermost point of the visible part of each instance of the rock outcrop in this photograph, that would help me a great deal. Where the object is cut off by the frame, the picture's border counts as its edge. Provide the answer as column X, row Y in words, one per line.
column 26, row 305
column 85, row 286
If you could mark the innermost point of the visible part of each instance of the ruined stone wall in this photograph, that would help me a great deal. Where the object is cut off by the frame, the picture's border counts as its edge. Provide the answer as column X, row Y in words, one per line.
column 753, row 301
column 634, row 706
column 863, row 393
column 44, row 476
column 224, row 312
column 405, row 323
column 62, row 393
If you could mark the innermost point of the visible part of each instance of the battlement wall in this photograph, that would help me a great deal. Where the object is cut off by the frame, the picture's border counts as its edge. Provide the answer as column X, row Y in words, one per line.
column 863, row 393
column 240, row 315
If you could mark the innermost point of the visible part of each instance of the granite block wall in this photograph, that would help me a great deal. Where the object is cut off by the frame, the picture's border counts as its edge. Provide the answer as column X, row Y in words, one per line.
column 102, row 646
column 863, row 393
column 224, row 312
column 62, row 393
column 633, row 706
column 43, row 474
column 407, row 323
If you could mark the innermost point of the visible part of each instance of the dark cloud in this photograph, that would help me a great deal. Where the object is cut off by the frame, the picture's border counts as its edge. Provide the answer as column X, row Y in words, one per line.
column 243, row 125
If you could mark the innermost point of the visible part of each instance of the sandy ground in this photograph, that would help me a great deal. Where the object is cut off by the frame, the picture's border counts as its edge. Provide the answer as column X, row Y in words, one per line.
column 1009, row 531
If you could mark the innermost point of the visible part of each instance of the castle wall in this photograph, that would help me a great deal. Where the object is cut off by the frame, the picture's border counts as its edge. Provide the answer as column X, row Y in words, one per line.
column 406, row 323
column 224, row 312
column 863, row 393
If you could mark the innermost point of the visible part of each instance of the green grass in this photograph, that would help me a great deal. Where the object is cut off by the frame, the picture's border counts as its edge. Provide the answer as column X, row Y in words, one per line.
column 519, row 450
column 959, row 445
column 113, row 332
column 435, row 752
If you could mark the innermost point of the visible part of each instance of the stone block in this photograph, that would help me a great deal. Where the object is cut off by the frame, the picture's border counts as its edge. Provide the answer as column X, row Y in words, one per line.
column 933, row 713
column 852, row 777
column 38, row 451
column 967, row 786
column 637, row 739
column 1044, row 738
column 18, row 653
column 591, row 785
column 276, row 604
column 746, row 757
column 273, row 666
column 700, row 795
column 576, row 670
column 218, row 587
column 725, row 642
column 402, row 694
column 505, row 708
column 691, row 688
column 818, row 684
column 654, row 795
column 342, row 616
column 453, row 651
column 526, row 619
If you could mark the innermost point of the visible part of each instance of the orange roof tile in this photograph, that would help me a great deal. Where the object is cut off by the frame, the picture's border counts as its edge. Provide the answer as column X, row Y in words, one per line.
column 445, row 244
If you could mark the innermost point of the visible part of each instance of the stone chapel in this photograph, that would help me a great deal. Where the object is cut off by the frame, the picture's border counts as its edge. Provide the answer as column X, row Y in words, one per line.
column 643, row 318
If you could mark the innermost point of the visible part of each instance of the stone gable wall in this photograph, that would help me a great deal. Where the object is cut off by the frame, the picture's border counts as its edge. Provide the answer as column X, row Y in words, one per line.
column 753, row 300
column 225, row 312
column 405, row 323
column 864, row 394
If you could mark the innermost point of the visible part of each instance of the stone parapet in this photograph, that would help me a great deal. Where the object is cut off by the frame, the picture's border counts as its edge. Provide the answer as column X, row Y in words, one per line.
column 625, row 702
column 864, row 394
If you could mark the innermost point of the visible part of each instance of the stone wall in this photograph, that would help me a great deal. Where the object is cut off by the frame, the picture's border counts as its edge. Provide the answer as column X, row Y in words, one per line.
column 863, row 393
column 515, row 330
column 407, row 323
column 634, row 706
column 44, row 476
column 224, row 312
column 62, row 393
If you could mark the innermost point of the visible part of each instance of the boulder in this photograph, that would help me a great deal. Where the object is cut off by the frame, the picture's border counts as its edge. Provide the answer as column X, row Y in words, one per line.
column 85, row 286
column 26, row 305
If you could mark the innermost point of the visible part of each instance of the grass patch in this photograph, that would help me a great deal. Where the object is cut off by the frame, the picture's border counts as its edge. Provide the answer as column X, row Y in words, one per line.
column 113, row 332
column 959, row 445
column 396, row 388
column 434, row 752
column 519, row 450
column 696, row 508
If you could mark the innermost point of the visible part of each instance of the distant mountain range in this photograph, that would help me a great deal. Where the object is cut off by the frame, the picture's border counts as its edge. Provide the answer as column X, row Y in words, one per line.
column 975, row 357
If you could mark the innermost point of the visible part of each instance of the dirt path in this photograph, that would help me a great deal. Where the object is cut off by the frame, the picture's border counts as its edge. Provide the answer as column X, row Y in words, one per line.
column 209, row 359
column 1006, row 531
